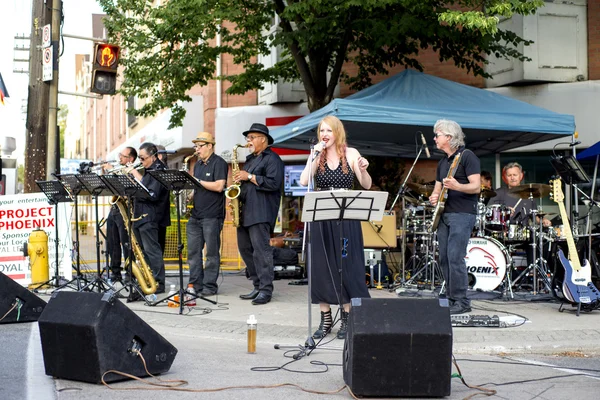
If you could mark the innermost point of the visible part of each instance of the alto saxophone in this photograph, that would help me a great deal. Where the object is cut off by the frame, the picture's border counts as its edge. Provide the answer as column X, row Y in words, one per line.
column 140, row 270
column 184, row 200
column 233, row 191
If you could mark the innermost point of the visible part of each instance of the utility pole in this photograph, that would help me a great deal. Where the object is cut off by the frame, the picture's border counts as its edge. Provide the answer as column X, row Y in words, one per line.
column 38, row 97
column 53, row 154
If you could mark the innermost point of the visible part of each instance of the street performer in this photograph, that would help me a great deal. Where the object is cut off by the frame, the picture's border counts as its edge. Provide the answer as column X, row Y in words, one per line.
column 206, row 222
column 261, row 182
column 151, row 213
column 460, row 210
column 116, row 233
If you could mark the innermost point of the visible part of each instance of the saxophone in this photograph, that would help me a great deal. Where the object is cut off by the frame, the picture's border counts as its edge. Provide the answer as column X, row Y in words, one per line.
column 142, row 272
column 184, row 201
column 233, row 191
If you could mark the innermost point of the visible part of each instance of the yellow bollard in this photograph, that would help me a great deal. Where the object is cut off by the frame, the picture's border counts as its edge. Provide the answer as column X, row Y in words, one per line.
column 37, row 251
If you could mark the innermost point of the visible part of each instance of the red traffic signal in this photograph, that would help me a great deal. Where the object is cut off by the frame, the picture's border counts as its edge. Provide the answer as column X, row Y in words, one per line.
column 104, row 69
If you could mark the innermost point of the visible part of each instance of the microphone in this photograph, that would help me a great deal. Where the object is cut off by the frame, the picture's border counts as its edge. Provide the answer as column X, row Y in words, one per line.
column 425, row 144
column 317, row 152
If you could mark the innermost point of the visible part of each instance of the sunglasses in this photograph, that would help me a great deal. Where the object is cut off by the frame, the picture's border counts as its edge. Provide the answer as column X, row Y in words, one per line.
column 199, row 146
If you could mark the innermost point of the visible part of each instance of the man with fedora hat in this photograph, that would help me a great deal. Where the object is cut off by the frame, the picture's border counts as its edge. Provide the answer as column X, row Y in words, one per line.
column 206, row 221
column 261, row 181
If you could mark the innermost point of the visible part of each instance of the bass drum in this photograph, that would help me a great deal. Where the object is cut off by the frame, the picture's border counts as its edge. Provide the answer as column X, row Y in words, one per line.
column 487, row 260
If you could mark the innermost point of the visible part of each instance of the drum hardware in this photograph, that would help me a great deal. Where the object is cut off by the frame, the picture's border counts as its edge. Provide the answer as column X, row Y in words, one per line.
column 539, row 265
column 486, row 193
column 424, row 261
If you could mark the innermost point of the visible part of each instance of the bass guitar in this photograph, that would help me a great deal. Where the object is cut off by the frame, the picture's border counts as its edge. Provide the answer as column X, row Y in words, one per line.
column 577, row 286
column 439, row 207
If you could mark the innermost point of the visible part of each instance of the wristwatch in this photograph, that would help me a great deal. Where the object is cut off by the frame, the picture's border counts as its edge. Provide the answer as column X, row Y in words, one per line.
column 250, row 176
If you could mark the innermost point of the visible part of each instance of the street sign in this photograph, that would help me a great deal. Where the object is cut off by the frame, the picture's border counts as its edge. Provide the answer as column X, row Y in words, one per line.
column 47, row 64
column 46, row 35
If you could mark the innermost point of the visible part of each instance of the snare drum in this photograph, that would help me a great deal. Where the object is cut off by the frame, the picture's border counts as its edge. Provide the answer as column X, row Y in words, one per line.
column 496, row 217
column 487, row 260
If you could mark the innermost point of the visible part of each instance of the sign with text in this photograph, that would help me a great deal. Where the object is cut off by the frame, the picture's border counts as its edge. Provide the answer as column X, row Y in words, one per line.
column 46, row 35
column 19, row 216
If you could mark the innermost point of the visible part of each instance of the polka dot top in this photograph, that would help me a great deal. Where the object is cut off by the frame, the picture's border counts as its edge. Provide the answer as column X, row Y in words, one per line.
column 335, row 179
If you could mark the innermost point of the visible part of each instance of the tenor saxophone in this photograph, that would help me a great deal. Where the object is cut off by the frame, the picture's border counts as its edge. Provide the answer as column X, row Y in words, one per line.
column 184, row 201
column 233, row 191
column 140, row 270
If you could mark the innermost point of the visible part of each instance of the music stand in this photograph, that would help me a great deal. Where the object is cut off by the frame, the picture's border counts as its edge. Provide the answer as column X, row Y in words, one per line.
column 56, row 193
column 96, row 187
column 339, row 205
column 176, row 181
column 124, row 186
column 75, row 188
column 569, row 169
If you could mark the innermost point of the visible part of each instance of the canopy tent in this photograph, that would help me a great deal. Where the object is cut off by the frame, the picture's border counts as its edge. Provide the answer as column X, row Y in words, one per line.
column 384, row 119
column 590, row 152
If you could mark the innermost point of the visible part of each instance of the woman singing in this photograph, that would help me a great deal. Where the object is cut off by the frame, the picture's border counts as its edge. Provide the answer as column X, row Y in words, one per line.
column 335, row 167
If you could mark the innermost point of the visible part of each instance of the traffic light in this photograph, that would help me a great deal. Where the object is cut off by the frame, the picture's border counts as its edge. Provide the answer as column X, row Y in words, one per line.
column 104, row 70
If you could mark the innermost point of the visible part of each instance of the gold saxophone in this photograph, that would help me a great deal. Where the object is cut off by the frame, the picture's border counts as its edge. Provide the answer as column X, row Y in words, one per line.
column 142, row 272
column 184, row 201
column 233, row 191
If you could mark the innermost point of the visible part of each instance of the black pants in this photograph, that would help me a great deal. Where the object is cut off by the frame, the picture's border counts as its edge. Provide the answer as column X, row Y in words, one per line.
column 254, row 247
column 117, row 240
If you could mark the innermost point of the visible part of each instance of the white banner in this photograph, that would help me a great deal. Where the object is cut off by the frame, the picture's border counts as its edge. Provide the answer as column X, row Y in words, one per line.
column 21, row 214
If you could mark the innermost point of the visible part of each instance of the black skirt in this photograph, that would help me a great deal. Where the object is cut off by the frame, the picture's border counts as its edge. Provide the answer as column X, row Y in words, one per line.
column 329, row 284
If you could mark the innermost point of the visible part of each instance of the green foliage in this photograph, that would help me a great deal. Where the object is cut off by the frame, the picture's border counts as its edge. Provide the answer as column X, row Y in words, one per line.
column 171, row 48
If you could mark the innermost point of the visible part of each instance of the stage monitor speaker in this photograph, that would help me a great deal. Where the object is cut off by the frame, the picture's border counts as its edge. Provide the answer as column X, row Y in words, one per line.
column 86, row 334
column 398, row 348
column 28, row 307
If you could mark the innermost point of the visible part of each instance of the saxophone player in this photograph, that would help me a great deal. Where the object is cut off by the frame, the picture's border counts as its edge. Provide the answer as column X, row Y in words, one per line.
column 206, row 221
column 261, row 182
column 116, row 233
column 151, row 213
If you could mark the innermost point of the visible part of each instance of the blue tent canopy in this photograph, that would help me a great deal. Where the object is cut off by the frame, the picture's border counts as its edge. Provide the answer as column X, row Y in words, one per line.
column 590, row 152
column 384, row 119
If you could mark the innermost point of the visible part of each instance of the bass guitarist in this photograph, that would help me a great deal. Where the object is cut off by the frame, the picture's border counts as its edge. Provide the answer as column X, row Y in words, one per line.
column 457, row 185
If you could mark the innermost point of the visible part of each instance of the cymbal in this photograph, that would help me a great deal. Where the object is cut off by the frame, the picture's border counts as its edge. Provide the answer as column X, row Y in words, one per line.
column 425, row 190
column 535, row 190
column 487, row 193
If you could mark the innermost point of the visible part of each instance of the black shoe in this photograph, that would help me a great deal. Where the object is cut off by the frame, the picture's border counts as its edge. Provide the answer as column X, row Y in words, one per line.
column 324, row 326
column 250, row 296
column 262, row 298
column 207, row 293
column 343, row 326
column 160, row 290
column 115, row 276
column 458, row 308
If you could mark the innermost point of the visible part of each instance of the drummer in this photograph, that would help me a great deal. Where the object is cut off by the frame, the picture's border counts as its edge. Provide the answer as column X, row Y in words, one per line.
column 512, row 175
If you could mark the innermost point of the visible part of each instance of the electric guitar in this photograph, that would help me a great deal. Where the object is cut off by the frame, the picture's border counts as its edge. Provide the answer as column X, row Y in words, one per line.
column 577, row 285
column 439, row 207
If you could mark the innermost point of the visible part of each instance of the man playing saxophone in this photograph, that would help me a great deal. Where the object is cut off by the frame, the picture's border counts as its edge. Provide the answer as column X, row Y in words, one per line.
column 261, row 182
column 116, row 233
column 151, row 213
column 206, row 221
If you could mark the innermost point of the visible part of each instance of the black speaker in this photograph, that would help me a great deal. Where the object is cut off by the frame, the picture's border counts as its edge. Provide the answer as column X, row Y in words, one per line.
column 86, row 334
column 398, row 348
column 26, row 306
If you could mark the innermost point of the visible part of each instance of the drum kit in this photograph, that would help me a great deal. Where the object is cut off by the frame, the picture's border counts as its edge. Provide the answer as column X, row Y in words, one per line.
column 496, row 248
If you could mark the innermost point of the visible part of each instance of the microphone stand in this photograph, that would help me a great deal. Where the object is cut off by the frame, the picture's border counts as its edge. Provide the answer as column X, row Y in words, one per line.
column 401, row 192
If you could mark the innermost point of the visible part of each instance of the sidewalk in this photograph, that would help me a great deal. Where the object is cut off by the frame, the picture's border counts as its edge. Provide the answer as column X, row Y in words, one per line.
column 285, row 320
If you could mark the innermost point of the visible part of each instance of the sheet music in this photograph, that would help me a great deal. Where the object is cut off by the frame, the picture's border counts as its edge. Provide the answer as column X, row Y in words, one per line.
column 359, row 205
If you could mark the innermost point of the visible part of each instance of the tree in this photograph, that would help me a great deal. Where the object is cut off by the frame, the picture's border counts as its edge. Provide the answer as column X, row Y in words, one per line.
column 171, row 48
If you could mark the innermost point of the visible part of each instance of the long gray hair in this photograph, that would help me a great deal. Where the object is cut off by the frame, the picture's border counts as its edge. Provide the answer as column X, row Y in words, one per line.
column 453, row 129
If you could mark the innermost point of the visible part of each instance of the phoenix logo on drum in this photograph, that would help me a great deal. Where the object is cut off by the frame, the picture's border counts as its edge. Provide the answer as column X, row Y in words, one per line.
column 480, row 268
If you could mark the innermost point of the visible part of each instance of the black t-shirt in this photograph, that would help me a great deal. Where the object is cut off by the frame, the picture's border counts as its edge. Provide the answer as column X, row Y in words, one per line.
column 459, row 202
column 209, row 204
